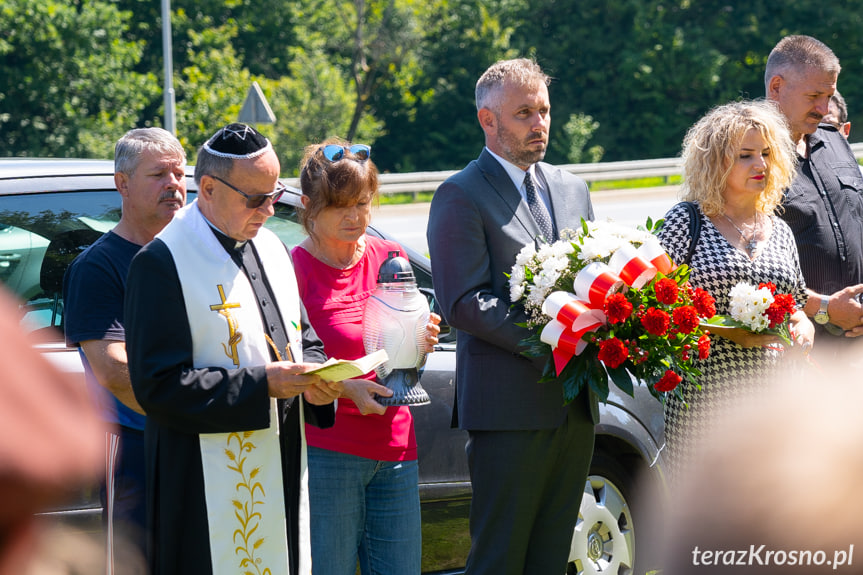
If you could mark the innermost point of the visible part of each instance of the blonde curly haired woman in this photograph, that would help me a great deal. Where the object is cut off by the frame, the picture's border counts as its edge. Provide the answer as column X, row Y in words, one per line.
column 738, row 160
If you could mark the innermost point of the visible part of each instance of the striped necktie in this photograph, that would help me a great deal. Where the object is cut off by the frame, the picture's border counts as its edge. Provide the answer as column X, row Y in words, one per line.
column 538, row 209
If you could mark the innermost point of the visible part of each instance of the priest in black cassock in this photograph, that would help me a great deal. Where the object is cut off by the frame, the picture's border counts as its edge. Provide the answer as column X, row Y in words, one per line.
column 218, row 344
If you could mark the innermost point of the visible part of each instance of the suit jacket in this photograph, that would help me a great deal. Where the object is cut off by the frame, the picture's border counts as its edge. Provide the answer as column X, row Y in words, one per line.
column 477, row 225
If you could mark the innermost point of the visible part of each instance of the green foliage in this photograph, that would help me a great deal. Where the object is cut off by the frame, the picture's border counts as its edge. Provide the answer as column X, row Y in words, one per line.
column 578, row 131
column 66, row 89
column 311, row 104
column 439, row 130
column 210, row 88
column 397, row 74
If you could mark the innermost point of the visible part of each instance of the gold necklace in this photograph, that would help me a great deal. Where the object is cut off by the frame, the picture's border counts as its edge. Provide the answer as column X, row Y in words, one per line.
column 752, row 241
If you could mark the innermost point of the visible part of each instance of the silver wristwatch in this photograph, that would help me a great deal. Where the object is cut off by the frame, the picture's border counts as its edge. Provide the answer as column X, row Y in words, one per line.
column 821, row 316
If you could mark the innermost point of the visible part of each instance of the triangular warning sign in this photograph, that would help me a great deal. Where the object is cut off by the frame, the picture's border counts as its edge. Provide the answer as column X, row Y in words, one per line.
column 255, row 109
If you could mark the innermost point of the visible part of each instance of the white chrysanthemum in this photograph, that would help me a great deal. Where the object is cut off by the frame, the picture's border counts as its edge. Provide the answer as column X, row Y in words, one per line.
column 545, row 252
column 747, row 305
column 562, row 248
column 593, row 248
column 555, row 265
column 517, row 275
column 546, row 279
column 763, row 299
column 516, row 292
column 525, row 255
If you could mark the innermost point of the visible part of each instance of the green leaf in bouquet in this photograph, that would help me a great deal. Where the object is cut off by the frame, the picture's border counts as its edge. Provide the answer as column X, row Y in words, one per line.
column 587, row 371
column 573, row 379
column 598, row 381
column 532, row 346
column 622, row 379
column 719, row 321
column 581, row 372
column 549, row 372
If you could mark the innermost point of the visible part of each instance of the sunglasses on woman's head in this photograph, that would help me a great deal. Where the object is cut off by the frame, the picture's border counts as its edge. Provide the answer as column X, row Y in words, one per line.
column 335, row 152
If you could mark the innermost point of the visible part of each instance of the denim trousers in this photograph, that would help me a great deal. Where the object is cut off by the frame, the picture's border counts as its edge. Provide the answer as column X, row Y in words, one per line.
column 363, row 509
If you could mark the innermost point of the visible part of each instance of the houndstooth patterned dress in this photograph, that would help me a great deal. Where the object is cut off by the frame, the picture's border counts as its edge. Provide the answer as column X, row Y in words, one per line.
column 732, row 373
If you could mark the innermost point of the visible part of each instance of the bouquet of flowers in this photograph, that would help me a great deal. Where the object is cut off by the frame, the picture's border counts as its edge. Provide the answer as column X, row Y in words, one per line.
column 632, row 313
column 759, row 310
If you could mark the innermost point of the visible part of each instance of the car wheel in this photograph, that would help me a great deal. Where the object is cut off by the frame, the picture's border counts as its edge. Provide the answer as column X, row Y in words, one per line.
column 604, row 538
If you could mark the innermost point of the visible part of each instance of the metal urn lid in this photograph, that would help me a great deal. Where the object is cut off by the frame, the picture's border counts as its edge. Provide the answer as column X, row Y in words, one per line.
column 395, row 269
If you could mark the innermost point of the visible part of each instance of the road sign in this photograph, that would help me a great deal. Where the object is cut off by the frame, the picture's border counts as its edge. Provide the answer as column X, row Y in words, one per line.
column 255, row 109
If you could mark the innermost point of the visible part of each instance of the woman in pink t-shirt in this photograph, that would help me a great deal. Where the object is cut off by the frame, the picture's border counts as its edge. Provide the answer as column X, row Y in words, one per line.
column 363, row 475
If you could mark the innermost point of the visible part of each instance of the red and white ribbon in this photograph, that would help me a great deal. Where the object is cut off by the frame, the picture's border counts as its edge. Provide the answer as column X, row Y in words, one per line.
column 595, row 282
column 633, row 269
column 571, row 320
column 652, row 251
column 567, row 309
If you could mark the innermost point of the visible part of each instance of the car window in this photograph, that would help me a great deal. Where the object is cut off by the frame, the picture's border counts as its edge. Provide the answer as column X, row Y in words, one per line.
column 286, row 224
column 39, row 235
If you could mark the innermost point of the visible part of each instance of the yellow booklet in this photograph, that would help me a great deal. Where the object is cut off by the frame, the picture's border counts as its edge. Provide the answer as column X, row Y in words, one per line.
column 339, row 369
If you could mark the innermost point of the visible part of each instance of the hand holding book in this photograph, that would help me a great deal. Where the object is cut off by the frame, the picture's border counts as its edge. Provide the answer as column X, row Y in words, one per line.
column 341, row 369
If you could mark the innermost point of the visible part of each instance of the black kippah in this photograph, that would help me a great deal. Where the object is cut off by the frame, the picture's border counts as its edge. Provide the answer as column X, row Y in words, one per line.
column 237, row 141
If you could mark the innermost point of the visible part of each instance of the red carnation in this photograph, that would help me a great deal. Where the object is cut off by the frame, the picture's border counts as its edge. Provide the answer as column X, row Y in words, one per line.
column 655, row 321
column 703, row 347
column 612, row 352
column 617, row 308
column 685, row 318
column 704, row 303
column 769, row 285
column 666, row 291
column 668, row 382
column 783, row 304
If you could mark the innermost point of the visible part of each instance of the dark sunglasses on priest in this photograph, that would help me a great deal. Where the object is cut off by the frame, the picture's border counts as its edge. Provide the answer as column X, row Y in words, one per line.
column 255, row 201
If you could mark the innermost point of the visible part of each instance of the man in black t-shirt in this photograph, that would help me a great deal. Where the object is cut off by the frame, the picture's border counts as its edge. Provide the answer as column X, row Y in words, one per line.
column 824, row 205
column 149, row 166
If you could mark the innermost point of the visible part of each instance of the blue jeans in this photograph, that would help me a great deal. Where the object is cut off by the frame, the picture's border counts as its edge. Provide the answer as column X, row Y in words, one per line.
column 367, row 509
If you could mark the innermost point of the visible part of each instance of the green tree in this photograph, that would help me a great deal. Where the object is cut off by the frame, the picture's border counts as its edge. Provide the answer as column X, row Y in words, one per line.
column 66, row 88
column 371, row 42
column 210, row 88
column 578, row 131
column 431, row 122
column 312, row 103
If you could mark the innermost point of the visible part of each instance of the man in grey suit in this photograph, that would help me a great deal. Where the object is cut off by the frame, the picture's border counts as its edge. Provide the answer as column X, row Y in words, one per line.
column 528, row 454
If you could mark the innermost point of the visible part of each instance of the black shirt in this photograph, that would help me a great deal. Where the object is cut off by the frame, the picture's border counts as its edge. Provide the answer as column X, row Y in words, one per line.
column 824, row 207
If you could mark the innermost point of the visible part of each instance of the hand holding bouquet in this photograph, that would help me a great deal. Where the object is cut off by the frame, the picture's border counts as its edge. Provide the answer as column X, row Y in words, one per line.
column 759, row 310
column 632, row 313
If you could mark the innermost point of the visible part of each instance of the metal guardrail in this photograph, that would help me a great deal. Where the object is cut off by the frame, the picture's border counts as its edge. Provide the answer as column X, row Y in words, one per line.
column 416, row 182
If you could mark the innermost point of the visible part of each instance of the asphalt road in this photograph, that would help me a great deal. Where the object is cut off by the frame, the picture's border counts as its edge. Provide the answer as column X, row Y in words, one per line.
column 407, row 222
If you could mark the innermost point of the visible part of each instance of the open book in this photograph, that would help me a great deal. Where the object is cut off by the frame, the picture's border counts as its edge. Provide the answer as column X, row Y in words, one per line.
column 339, row 369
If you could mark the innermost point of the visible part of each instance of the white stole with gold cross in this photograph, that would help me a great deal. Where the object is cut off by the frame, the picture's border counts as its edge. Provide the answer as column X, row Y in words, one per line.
column 243, row 480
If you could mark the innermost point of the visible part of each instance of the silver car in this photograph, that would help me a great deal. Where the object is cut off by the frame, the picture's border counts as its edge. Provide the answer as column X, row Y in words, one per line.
column 51, row 209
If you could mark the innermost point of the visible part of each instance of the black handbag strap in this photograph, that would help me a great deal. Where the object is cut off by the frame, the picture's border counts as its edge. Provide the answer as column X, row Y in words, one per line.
column 694, row 228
